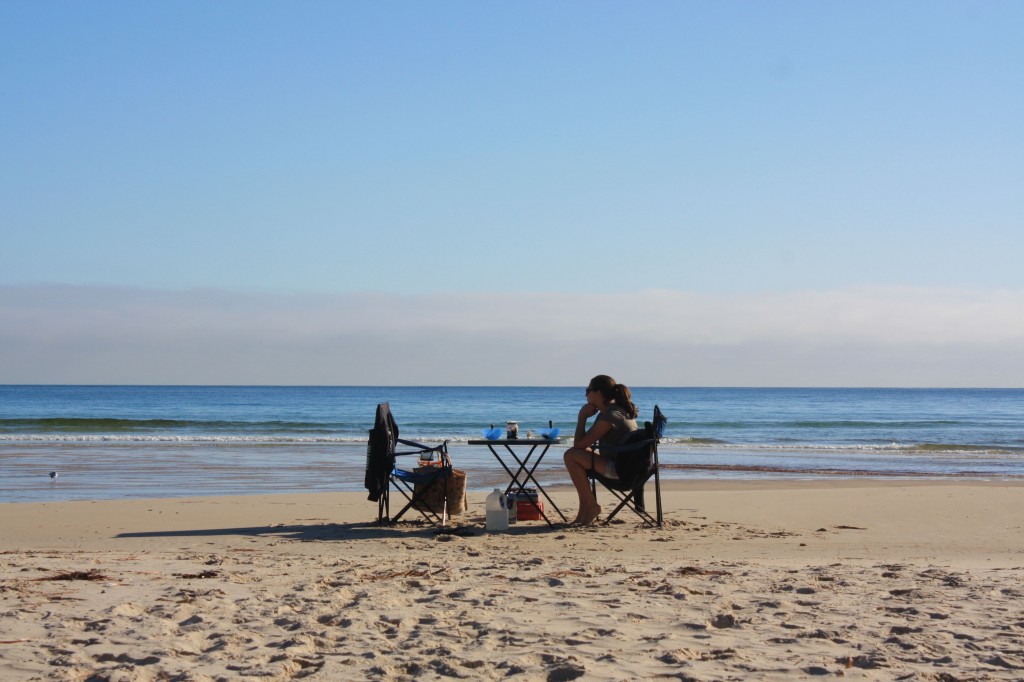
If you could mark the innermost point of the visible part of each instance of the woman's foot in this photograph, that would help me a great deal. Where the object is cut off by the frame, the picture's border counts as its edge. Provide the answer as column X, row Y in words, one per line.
column 587, row 516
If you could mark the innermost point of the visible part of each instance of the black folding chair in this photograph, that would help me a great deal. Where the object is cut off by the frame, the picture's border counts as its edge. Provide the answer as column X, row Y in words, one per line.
column 636, row 462
column 382, row 472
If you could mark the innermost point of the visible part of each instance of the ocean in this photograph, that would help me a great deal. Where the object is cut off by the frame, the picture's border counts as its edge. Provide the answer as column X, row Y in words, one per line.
column 111, row 442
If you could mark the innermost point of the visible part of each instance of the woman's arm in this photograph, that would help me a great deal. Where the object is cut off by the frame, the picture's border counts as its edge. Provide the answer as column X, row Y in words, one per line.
column 588, row 438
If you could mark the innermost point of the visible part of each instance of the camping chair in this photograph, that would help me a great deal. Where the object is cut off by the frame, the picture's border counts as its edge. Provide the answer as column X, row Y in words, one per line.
column 636, row 462
column 382, row 472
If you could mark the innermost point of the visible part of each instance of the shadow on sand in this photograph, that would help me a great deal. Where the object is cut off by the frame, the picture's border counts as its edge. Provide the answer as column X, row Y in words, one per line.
column 340, row 532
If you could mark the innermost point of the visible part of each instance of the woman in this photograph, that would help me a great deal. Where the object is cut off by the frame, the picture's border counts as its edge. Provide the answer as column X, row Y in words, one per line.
column 616, row 418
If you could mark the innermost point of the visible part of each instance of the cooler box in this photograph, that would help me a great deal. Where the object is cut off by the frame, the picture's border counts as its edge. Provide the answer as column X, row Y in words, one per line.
column 525, row 511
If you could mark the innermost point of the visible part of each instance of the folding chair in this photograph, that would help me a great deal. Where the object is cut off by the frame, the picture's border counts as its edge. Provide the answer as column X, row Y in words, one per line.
column 636, row 462
column 382, row 472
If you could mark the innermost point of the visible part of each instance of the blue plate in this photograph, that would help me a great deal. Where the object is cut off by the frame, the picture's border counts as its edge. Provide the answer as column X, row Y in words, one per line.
column 493, row 434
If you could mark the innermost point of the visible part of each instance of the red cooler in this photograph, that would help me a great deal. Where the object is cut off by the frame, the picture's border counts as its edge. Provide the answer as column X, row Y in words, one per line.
column 525, row 511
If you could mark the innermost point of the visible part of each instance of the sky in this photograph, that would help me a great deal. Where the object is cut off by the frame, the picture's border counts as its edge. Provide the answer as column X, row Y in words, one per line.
column 526, row 193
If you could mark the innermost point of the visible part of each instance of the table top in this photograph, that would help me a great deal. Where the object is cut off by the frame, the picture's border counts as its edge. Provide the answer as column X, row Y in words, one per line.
column 517, row 441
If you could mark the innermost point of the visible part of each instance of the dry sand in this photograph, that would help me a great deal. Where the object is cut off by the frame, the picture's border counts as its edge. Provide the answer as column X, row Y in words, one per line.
column 871, row 580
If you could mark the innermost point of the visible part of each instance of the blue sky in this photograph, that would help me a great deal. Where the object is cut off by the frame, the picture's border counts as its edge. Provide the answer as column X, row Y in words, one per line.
column 718, row 165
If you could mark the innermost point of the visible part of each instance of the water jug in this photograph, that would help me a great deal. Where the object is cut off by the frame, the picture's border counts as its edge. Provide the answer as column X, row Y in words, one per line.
column 497, row 511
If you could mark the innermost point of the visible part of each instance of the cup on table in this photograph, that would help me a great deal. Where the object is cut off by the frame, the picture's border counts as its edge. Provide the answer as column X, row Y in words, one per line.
column 511, row 430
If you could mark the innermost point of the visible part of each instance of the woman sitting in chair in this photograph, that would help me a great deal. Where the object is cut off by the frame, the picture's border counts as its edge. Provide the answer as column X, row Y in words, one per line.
column 616, row 418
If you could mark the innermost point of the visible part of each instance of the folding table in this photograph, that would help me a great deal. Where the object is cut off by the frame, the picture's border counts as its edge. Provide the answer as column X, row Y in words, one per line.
column 525, row 465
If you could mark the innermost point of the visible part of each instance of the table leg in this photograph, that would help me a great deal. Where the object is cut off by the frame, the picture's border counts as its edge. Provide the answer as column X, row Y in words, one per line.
column 523, row 463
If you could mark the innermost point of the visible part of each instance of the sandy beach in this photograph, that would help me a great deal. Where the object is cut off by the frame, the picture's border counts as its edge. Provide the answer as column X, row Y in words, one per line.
column 862, row 579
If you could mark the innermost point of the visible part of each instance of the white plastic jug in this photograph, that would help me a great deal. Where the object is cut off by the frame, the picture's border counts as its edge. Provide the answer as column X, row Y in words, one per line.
column 497, row 512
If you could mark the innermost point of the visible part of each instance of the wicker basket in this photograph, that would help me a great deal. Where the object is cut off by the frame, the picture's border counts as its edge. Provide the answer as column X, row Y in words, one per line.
column 433, row 493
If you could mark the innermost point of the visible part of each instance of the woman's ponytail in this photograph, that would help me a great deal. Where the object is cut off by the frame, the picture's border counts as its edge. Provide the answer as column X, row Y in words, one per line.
column 624, row 399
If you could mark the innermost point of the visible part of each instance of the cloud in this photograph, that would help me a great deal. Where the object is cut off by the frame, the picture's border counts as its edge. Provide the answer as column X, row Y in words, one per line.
column 873, row 336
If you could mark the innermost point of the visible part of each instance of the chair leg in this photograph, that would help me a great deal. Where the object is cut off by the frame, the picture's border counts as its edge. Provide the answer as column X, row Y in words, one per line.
column 384, row 507
column 413, row 502
column 629, row 499
column 444, row 503
column 657, row 488
column 623, row 501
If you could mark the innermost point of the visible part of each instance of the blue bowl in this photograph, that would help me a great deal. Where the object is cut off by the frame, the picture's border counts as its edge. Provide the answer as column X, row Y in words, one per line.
column 493, row 434
column 550, row 433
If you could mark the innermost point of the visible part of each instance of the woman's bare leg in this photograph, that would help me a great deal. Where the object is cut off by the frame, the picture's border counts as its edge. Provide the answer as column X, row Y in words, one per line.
column 578, row 463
